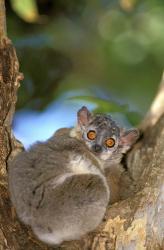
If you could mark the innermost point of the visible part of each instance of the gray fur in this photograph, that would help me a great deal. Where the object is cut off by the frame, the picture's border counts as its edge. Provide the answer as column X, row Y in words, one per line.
column 57, row 201
column 58, row 187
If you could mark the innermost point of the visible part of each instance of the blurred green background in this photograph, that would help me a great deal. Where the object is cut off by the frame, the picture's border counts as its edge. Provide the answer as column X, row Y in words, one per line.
column 108, row 55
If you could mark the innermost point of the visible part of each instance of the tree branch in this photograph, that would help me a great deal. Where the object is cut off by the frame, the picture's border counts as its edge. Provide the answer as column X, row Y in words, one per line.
column 157, row 108
column 3, row 31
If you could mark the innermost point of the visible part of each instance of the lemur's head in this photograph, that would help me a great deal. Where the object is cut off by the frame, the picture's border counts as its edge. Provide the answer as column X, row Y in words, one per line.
column 103, row 136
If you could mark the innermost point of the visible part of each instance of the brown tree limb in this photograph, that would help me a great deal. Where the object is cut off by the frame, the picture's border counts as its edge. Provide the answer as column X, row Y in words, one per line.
column 157, row 108
column 3, row 31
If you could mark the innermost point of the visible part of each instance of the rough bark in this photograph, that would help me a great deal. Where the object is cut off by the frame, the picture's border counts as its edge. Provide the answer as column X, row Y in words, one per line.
column 133, row 223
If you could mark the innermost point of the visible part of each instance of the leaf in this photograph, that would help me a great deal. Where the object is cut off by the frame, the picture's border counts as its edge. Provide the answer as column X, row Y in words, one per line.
column 134, row 117
column 106, row 106
column 26, row 9
column 103, row 105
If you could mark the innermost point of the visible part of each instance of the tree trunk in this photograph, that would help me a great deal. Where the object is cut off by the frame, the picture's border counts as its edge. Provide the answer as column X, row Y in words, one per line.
column 134, row 223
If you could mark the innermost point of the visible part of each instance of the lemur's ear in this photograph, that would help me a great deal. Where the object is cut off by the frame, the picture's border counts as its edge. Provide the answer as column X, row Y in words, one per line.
column 128, row 138
column 83, row 116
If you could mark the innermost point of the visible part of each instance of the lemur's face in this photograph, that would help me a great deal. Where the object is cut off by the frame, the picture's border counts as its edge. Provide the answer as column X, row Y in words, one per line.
column 103, row 136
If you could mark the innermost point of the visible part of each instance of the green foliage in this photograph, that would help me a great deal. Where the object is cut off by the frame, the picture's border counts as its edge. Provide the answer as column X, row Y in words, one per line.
column 37, row 91
column 113, row 46
column 107, row 106
column 26, row 9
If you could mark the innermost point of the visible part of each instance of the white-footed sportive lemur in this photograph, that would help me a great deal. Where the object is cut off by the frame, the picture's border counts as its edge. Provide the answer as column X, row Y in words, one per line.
column 59, row 187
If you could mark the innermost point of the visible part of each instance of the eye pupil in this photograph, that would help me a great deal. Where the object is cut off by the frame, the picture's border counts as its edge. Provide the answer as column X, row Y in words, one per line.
column 110, row 142
column 91, row 135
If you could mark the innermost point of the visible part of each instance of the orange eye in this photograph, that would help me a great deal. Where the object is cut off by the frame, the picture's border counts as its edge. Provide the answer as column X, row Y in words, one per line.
column 91, row 135
column 110, row 142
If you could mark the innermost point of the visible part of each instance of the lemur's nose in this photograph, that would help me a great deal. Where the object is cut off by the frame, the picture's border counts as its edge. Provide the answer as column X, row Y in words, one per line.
column 97, row 148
